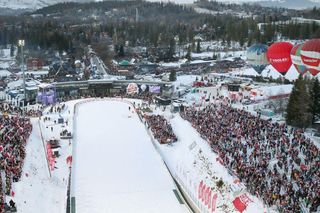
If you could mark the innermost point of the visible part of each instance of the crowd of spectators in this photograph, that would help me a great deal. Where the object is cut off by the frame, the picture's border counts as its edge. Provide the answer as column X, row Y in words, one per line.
column 161, row 129
column 145, row 96
column 14, row 132
column 35, row 111
column 277, row 163
column 195, row 69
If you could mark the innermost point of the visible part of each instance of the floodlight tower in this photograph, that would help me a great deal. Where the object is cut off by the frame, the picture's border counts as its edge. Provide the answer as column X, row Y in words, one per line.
column 21, row 44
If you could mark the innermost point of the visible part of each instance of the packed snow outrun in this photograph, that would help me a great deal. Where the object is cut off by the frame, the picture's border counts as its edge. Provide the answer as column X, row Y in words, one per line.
column 116, row 168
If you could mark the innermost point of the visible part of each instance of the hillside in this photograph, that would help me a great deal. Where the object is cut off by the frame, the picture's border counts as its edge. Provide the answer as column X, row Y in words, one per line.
column 32, row 4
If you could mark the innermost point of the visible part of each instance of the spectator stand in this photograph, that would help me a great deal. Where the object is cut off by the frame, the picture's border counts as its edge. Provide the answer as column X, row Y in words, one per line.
column 160, row 128
column 14, row 134
column 278, row 164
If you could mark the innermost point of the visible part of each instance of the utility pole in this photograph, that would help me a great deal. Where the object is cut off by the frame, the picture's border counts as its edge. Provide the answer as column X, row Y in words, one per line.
column 21, row 44
column 137, row 15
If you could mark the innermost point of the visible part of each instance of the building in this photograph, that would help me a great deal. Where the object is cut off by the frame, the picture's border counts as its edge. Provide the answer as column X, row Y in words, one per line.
column 34, row 64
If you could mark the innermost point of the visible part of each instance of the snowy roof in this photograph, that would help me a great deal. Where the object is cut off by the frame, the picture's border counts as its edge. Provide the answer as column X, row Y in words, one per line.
column 199, row 62
column 185, row 80
column 170, row 64
column 202, row 55
column 276, row 90
column 4, row 73
column 32, row 88
column 5, row 53
column 15, row 84
column 4, row 65
column 246, row 71
column 44, row 85
column 292, row 74
column 39, row 72
column 270, row 71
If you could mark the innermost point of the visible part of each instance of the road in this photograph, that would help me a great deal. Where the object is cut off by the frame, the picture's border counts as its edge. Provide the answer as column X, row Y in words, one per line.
column 100, row 69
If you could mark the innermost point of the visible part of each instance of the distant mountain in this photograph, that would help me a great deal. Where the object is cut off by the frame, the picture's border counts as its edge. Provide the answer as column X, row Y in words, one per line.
column 36, row 4
column 291, row 4
column 13, row 12
column 33, row 4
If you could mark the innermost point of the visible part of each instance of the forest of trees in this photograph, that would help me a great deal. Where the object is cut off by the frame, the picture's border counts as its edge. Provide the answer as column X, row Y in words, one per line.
column 160, row 25
column 303, row 109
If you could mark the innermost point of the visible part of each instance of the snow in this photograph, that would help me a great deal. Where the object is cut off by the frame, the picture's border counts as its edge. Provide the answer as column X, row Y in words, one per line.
column 116, row 168
column 35, row 73
column 202, row 55
column 186, row 80
column 4, row 65
column 175, row 1
column 292, row 74
column 246, row 71
column 19, row 83
column 39, row 190
column 193, row 62
column 270, row 72
column 170, row 64
column 36, row 191
column 268, row 91
column 15, row 84
column 33, row 4
column 4, row 73
column 191, row 160
column 5, row 53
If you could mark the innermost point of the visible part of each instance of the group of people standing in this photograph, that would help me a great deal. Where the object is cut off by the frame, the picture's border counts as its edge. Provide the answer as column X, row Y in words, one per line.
column 277, row 163
column 14, row 132
column 161, row 128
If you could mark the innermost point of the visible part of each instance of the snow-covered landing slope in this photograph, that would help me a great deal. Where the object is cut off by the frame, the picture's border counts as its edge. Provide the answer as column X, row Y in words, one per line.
column 36, row 192
column 115, row 166
column 192, row 161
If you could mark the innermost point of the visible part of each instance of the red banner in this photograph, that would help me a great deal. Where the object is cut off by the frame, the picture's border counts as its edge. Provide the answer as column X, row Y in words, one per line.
column 51, row 159
column 205, row 196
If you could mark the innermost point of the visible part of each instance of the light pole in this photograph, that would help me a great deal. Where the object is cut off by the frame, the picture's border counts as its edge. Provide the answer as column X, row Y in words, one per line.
column 21, row 44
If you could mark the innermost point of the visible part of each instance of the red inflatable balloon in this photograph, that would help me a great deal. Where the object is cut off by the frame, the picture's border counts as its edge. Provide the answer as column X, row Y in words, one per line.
column 279, row 56
column 310, row 55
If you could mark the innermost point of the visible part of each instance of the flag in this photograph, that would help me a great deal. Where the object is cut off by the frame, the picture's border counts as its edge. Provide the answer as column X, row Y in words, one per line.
column 239, row 205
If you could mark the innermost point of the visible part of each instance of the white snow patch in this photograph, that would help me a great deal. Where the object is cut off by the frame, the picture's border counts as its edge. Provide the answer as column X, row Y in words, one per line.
column 116, row 168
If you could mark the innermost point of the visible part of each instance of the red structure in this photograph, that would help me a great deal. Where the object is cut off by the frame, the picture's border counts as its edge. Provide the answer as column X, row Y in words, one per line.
column 51, row 158
column 279, row 56
column 34, row 64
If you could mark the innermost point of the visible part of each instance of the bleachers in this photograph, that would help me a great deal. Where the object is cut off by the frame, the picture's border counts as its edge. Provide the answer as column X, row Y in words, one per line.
column 161, row 129
column 277, row 163
column 14, row 133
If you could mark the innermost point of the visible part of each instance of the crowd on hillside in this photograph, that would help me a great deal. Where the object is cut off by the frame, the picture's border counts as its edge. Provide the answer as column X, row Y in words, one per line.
column 276, row 163
column 146, row 96
column 14, row 132
column 161, row 129
column 15, row 110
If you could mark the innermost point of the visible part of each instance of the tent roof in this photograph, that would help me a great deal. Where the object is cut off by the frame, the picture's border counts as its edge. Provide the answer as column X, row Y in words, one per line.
column 124, row 63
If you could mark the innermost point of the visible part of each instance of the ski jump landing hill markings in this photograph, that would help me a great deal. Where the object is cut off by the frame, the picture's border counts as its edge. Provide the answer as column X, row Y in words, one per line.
column 115, row 167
